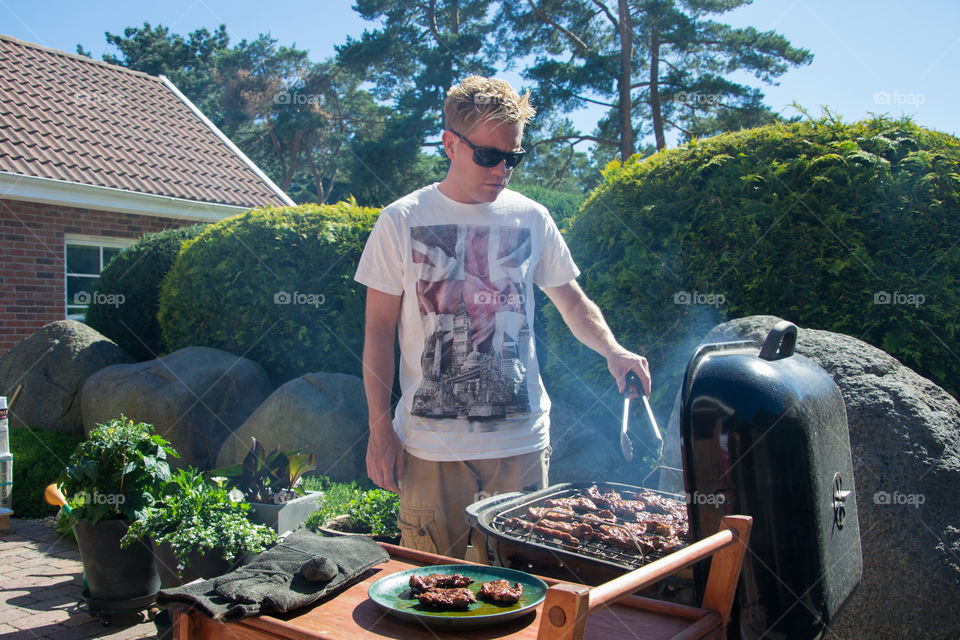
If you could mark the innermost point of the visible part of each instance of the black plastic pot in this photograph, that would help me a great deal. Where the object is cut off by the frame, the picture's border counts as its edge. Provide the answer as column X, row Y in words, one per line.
column 116, row 575
column 199, row 565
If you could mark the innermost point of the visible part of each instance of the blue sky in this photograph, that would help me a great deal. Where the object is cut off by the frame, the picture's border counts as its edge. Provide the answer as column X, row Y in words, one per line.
column 870, row 56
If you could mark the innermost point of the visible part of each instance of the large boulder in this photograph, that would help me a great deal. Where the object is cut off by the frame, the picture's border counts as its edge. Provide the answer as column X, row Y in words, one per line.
column 50, row 368
column 195, row 397
column 905, row 441
column 325, row 412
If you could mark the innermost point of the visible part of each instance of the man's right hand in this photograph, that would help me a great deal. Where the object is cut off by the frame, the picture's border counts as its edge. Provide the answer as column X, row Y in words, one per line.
column 385, row 458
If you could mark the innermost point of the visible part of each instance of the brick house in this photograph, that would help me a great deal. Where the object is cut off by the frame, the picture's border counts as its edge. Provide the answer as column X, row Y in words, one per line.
column 92, row 156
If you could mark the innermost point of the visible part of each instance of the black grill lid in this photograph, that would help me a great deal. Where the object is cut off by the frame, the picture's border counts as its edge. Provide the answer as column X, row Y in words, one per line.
column 765, row 434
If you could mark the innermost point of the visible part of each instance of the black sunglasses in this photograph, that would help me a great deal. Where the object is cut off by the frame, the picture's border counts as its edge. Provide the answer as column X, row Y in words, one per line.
column 490, row 157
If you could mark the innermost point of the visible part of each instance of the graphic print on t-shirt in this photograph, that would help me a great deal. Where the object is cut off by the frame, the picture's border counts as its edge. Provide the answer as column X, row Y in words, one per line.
column 471, row 297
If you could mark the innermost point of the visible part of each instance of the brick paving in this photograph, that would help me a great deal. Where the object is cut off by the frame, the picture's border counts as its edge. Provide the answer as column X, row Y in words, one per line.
column 40, row 587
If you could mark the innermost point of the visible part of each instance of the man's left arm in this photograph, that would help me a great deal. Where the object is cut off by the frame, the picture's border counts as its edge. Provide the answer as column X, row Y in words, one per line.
column 586, row 322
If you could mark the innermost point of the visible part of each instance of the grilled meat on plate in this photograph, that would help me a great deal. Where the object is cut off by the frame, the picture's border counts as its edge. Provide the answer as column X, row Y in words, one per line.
column 441, row 580
column 501, row 591
column 459, row 598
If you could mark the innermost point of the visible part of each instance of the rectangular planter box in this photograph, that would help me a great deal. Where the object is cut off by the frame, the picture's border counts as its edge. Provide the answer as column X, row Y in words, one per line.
column 285, row 516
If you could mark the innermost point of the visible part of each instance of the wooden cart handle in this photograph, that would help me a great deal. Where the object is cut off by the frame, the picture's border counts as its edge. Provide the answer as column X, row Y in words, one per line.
column 566, row 607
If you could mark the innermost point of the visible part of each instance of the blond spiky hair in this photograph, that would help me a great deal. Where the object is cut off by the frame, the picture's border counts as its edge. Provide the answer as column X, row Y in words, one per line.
column 478, row 99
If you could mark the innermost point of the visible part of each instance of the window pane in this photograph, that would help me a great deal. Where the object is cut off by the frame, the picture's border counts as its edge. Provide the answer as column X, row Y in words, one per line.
column 109, row 253
column 78, row 290
column 81, row 259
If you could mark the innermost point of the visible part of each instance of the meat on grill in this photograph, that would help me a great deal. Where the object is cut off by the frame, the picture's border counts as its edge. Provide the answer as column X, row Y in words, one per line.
column 562, row 514
column 501, row 591
column 452, row 599
column 580, row 504
column 439, row 580
column 648, row 523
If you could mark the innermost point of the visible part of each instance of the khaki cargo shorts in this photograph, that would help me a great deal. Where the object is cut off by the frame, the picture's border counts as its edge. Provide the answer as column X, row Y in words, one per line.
column 433, row 496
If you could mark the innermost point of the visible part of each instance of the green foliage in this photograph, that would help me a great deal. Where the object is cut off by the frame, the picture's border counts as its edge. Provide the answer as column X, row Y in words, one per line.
column 840, row 227
column 268, row 477
column 38, row 457
column 274, row 285
column 563, row 205
column 194, row 515
column 188, row 61
column 116, row 472
column 355, row 510
column 136, row 274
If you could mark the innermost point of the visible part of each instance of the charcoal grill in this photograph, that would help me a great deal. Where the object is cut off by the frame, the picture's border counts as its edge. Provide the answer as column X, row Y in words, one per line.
column 590, row 562
column 764, row 434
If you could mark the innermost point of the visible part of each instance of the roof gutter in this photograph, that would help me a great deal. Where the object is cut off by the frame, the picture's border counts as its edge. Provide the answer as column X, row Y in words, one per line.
column 14, row 186
column 229, row 143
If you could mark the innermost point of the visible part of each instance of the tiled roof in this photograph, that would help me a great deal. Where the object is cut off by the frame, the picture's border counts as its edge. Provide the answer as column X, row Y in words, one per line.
column 70, row 118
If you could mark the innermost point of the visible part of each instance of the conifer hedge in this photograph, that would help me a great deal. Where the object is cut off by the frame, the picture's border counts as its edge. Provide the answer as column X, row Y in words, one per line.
column 274, row 285
column 134, row 277
column 852, row 228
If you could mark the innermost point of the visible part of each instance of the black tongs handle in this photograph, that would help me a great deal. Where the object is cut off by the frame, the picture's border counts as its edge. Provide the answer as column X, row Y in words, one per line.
column 633, row 384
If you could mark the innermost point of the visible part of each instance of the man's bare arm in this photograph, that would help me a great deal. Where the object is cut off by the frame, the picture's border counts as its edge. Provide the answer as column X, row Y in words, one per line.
column 384, row 451
column 586, row 322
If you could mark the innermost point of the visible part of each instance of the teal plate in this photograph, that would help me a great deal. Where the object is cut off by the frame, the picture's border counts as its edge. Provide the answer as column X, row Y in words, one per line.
column 394, row 594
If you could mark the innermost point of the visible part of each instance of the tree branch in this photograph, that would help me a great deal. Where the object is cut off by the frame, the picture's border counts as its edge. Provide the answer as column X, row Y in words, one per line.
column 577, row 140
column 676, row 126
column 606, row 11
column 580, row 44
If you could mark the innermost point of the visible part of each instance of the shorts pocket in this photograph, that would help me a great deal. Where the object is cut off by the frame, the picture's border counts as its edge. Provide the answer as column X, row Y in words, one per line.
column 419, row 529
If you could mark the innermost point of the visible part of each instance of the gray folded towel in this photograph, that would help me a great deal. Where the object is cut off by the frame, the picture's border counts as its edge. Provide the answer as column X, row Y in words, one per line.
column 298, row 572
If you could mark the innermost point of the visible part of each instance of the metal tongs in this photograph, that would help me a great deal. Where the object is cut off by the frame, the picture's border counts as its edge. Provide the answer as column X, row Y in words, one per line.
column 634, row 386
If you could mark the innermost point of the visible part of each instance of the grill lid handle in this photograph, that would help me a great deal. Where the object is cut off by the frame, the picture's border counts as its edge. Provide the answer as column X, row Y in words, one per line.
column 780, row 341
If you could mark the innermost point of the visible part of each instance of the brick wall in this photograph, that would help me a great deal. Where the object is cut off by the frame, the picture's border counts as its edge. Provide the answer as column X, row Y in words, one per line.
column 32, row 279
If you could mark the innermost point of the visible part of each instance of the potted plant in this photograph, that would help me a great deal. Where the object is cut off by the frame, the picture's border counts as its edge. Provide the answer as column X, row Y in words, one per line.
column 344, row 508
column 111, row 476
column 200, row 529
column 272, row 483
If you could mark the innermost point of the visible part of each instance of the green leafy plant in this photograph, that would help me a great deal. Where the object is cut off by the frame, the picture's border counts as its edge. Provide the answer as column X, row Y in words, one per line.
column 345, row 507
column 195, row 515
column 116, row 472
column 269, row 477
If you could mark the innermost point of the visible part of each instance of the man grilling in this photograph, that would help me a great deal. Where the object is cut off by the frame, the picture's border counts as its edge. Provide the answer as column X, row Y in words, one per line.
column 453, row 266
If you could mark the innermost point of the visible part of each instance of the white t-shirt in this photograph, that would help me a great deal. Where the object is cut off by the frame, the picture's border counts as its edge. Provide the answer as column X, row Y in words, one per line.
column 469, row 378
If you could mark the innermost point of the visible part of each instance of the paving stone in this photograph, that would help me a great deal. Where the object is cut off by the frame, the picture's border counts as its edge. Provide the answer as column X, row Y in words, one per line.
column 41, row 578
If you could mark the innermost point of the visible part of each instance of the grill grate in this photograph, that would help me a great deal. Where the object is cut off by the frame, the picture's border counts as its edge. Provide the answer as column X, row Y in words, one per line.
column 595, row 549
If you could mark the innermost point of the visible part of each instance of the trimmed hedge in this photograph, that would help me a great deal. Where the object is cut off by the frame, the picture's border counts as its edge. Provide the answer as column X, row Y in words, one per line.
column 849, row 228
column 276, row 286
column 136, row 274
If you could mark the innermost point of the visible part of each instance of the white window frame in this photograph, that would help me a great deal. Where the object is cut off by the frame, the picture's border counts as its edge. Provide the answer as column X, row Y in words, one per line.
column 86, row 241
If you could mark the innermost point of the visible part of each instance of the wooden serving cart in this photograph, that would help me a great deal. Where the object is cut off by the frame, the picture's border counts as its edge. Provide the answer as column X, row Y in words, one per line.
column 569, row 612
